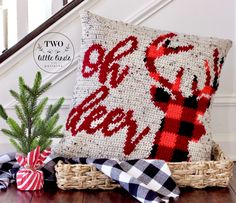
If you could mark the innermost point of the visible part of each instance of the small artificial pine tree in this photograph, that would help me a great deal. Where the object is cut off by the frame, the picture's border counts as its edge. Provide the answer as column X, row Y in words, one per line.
column 33, row 130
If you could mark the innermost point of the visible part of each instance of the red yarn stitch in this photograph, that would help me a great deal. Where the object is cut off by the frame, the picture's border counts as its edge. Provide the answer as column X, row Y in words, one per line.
column 95, row 115
column 108, row 63
column 93, row 66
column 110, row 58
column 88, row 103
column 132, row 129
column 155, row 51
column 181, row 122
column 115, row 116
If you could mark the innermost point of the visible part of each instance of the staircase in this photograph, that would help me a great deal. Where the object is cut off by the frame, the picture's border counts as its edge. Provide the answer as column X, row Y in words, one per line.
column 20, row 17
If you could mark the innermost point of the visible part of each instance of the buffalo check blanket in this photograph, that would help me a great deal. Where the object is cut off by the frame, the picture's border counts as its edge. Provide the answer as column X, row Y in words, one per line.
column 145, row 179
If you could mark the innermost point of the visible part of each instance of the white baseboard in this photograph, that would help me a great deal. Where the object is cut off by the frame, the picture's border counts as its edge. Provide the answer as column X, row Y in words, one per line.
column 6, row 148
column 229, row 148
column 228, row 144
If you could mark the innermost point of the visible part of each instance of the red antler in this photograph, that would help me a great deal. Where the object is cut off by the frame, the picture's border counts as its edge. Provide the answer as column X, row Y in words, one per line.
column 209, row 88
column 160, row 47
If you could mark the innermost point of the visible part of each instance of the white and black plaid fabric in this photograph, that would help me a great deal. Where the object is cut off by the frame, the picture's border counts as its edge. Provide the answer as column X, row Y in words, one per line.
column 146, row 180
column 8, row 169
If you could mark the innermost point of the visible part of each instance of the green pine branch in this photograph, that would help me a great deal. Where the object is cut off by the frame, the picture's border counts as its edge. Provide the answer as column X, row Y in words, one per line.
column 15, row 94
column 3, row 113
column 9, row 133
column 54, row 108
column 33, row 129
column 16, row 145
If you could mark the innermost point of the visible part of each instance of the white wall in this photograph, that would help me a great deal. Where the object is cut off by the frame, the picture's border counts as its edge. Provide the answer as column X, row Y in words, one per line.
column 203, row 17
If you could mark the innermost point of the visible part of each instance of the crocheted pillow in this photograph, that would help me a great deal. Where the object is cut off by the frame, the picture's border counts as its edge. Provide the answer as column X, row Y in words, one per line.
column 142, row 93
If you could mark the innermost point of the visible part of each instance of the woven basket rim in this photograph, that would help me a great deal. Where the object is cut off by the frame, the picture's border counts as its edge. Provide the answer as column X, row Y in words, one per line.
column 197, row 174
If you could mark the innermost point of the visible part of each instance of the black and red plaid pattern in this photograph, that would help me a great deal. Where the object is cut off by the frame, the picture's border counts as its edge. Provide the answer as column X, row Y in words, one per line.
column 181, row 123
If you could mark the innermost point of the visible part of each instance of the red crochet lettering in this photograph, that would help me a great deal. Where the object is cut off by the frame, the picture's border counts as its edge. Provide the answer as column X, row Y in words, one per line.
column 116, row 116
column 96, row 114
column 89, row 102
column 92, row 66
column 181, row 123
column 107, row 64
column 99, row 112
column 132, row 130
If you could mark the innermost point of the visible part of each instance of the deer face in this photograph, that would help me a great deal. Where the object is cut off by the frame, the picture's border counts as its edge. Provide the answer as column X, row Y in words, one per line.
column 181, row 123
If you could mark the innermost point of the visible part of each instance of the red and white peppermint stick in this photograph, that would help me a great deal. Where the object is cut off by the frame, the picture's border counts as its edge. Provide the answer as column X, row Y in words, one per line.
column 34, row 159
column 29, row 178
column 43, row 156
column 21, row 160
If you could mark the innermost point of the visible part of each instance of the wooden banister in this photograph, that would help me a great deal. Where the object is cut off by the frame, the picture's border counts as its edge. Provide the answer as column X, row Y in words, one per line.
column 39, row 29
column 65, row 2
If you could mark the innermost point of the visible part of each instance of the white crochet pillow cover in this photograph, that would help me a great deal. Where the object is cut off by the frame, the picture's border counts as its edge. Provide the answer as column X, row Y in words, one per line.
column 142, row 93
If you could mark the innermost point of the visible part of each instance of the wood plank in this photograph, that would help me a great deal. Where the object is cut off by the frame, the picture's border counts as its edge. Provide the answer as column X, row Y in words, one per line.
column 52, row 194
column 12, row 195
column 65, row 2
column 210, row 195
column 115, row 196
column 233, row 181
column 58, row 196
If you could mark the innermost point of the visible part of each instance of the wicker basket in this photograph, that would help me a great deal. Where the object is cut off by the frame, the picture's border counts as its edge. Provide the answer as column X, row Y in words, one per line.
column 194, row 174
column 82, row 176
column 204, row 173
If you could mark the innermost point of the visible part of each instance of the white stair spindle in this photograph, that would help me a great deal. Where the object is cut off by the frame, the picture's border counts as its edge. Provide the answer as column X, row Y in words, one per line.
column 3, row 29
column 22, row 18
column 56, row 5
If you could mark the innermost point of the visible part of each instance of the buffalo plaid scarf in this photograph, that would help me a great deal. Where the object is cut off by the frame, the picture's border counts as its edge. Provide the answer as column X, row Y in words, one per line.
column 146, row 180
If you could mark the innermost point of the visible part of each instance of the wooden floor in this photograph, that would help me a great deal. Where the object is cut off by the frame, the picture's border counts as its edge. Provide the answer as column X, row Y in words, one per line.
column 52, row 194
